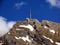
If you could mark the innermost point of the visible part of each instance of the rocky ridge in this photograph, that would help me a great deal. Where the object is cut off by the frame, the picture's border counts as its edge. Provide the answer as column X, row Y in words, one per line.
column 33, row 32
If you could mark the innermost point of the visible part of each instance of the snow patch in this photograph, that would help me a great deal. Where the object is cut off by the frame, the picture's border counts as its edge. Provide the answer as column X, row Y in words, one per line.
column 27, row 26
column 18, row 29
column 48, row 39
column 17, row 37
column 52, row 31
column 57, row 43
column 24, row 38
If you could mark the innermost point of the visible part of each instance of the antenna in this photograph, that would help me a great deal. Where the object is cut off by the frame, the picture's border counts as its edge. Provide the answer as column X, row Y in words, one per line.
column 30, row 14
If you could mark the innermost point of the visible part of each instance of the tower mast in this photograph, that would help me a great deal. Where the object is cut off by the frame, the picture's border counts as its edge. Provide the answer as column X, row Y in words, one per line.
column 30, row 14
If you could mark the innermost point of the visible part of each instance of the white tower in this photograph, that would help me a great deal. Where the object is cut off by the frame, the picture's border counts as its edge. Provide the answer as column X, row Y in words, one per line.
column 30, row 14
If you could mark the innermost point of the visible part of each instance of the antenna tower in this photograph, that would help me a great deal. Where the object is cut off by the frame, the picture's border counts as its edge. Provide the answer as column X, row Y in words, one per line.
column 30, row 14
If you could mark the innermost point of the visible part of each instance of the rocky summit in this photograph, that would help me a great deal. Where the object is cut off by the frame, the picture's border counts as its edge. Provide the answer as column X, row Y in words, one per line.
column 32, row 32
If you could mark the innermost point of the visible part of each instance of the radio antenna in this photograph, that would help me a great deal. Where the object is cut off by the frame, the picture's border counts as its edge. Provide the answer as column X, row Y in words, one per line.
column 30, row 14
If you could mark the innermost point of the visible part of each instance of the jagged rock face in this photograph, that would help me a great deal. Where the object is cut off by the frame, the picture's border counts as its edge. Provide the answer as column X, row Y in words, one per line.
column 32, row 32
column 53, row 30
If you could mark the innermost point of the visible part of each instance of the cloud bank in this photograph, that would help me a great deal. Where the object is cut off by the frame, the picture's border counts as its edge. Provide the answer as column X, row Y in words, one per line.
column 55, row 3
column 5, row 26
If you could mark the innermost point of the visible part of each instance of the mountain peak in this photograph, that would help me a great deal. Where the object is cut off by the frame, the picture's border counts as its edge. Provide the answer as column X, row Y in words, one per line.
column 33, row 32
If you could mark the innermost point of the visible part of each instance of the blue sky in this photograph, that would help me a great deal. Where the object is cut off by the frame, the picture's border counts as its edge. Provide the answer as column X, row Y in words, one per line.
column 20, row 9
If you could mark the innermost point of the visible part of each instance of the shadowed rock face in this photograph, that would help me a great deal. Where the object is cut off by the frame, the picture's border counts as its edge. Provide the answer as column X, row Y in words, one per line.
column 33, row 32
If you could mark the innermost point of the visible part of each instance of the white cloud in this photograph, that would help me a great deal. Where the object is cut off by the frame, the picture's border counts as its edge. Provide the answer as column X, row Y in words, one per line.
column 55, row 3
column 19, row 5
column 5, row 26
column 11, row 23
